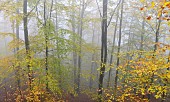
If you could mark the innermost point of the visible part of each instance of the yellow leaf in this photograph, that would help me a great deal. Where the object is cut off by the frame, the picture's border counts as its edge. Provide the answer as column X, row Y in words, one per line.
column 159, row 14
column 168, row 23
column 168, row 76
column 166, row 4
column 152, row 4
column 142, row 1
column 157, row 96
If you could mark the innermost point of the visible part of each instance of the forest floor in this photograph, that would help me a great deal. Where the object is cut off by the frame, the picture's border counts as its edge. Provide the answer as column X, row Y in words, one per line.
column 81, row 98
column 6, row 95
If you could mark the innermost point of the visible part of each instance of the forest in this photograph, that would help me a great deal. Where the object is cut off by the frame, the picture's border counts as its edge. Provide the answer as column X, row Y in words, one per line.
column 84, row 51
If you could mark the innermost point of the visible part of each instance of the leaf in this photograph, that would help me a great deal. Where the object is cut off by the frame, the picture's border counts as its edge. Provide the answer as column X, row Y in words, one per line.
column 148, row 18
column 152, row 4
column 157, row 96
column 165, row 12
column 168, row 23
column 142, row 1
column 168, row 19
column 142, row 8
column 162, row 1
column 159, row 13
column 167, row 4
column 168, row 75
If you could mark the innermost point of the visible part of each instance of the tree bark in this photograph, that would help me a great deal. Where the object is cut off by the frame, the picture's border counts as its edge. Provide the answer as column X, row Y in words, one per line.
column 80, row 45
column 74, row 47
column 142, row 34
column 46, row 44
column 92, row 63
column 118, row 51
column 27, row 45
column 103, row 49
column 17, row 49
column 111, row 58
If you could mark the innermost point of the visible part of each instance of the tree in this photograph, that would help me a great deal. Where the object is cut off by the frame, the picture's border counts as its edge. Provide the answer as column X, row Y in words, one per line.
column 112, row 51
column 80, row 31
column 59, row 52
column 73, row 24
column 103, row 49
column 17, row 49
column 118, row 51
column 27, row 45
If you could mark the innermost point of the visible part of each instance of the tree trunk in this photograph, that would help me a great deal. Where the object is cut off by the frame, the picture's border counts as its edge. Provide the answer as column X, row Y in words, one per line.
column 92, row 63
column 27, row 45
column 46, row 44
column 112, row 51
column 118, row 51
column 80, row 44
column 142, row 33
column 103, row 49
column 57, row 44
column 17, row 49
column 74, row 47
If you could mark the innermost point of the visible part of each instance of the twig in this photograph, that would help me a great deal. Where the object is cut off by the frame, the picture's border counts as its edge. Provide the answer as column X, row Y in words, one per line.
column 99, row 9
column 33, row 8
column 113, row 13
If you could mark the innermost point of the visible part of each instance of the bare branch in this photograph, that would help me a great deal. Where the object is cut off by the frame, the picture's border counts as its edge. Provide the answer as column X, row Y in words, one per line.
column 33, row 8
column 51, row 8
column 113, row 13
column 99, row 9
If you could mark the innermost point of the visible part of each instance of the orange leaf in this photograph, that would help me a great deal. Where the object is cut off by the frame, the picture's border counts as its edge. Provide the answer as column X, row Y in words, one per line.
column 148, row 18
column 168, row 5
column 162, row 7
column 142, row 8
column 168, row 19
column 164, row 18
column 162, row 0
column 165, row 11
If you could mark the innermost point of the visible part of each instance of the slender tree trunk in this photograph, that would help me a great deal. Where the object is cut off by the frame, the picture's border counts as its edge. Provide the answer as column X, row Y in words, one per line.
column 157, row 35
column 118, row 51
column 112, row 51
column 80, row 44
column 47, row 39
column 96, row 57
column 46, row 44
column 17, row 30
column 142, row 33
column 57, row 44
column 142, row 38
column 27, row 45
column 92, row 63
column 155, row 48
column 56, row 19
column 103, row 49
column 74, row 47
column 13, row 31
column 58, row 50
column 17, row 49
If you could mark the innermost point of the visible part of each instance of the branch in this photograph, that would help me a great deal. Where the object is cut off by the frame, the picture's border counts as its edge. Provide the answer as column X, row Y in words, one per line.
column 51, row 8
column 37, row 16
column 99, row 9
column 33, row 8
column 113, row 13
